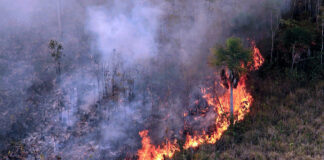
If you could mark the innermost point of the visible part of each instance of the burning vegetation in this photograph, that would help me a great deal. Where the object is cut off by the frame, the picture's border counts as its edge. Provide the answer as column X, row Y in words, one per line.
column 149, row 151
column 220, row 105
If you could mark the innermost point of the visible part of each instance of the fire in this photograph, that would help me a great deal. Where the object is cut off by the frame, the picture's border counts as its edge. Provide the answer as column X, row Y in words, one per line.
column 150, row 152
column 257, row 57
column 221, row 105
column 242, row 100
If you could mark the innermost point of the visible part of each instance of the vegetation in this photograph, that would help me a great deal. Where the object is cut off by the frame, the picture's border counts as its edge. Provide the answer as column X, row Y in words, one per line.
column 234, row 57
column 286, row 120
column 285, row 123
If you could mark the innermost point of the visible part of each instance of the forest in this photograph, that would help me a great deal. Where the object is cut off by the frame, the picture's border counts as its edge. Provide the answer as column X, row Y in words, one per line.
column 161, row 79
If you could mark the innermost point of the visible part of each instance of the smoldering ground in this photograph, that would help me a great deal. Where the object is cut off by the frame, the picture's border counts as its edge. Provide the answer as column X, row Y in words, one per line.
column 127, row 66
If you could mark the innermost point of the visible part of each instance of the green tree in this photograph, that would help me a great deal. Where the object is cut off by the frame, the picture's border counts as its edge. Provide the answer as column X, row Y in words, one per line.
column 298, row 39
column 234, row 57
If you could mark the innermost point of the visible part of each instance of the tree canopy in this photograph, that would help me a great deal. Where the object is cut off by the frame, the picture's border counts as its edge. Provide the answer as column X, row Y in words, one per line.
column 232, row 56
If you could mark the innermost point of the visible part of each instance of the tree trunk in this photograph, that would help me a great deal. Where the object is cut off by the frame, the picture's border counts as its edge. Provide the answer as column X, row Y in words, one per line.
column 318, row 10
column 272, row 45
column 293, row 8
column 322, row 41
column 272, row 37
column 59, row 21
column 293, row 57
column 310, row 3
column 275, row 20
column 231, row 105
column 58, row 72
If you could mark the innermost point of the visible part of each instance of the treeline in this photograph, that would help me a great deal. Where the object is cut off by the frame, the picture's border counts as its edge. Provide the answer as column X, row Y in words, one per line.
column 296, row 47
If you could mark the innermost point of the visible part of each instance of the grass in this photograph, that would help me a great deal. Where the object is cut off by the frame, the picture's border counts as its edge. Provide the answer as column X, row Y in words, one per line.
column 285, row 122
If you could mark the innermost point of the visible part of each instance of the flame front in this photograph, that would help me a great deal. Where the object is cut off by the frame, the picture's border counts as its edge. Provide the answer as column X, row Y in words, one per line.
column 221, row 105
column 150, row 152
column 242, row 101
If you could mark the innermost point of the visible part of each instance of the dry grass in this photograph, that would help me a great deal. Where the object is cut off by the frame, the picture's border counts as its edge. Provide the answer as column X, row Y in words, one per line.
column 279, row 127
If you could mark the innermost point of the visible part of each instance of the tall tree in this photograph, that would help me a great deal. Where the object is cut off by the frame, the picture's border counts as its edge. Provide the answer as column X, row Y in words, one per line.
column 59, row 20
column 56, row 49
column 298, row 39
column 234, row 57
column 322, row 36
column 275, row 12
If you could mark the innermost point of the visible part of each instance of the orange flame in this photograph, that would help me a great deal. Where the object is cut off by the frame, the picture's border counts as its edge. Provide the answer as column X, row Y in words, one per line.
column 242, row 101
column 257, row 57
column 150, row 152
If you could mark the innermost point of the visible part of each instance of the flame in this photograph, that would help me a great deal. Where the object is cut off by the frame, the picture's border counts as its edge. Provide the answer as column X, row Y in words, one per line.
column 150, row 152
column 242, row 102
column 257, row 57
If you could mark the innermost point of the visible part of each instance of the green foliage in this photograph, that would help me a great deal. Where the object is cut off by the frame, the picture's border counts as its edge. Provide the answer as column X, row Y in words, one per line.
column 295, row 75
column 233, row 55
column 298, row 35
column 288, row 23
column 298, row 42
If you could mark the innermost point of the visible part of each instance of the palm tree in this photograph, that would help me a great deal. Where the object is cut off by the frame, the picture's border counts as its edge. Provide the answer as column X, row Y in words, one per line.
column 234, row 57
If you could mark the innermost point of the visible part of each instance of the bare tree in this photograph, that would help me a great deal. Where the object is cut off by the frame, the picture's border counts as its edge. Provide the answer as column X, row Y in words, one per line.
column 59, row 20
column 318, row 7
column 274, row 29
column 274, row 21
column 56, row 49
column 322, row 47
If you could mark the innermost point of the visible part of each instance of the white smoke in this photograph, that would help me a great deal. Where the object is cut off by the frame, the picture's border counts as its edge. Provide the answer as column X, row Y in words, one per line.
column 128, row 27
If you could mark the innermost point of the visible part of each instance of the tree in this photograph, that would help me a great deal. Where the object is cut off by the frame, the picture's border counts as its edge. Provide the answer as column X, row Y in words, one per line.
column 298, row 39
column 235, row 58
column 275, row 12
column 56, row 49
column 59, row 20
column 322, row 36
